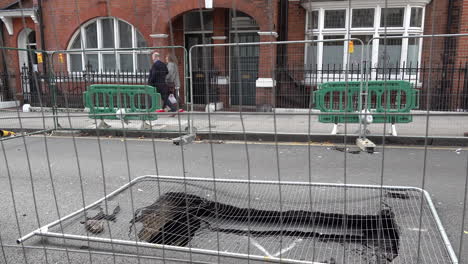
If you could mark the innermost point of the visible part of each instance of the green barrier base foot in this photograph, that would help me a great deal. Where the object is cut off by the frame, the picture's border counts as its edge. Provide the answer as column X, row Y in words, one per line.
column 393, row 130
column 365, row 145
column 103, row 124
column 145, row 125
column 335, row 129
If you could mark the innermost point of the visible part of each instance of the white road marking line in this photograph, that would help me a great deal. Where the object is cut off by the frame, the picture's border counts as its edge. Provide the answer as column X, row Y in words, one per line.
column 288, row 248
column 417, row 229
column 256, row 244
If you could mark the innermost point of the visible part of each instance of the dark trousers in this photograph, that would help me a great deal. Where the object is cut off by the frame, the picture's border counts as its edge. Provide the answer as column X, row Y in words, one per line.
column 164, row 91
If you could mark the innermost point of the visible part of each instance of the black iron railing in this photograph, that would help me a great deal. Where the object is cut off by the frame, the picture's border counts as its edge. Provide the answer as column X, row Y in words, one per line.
column 6, row 92
column 442, row 88
column 293, row 85
column 65, row 89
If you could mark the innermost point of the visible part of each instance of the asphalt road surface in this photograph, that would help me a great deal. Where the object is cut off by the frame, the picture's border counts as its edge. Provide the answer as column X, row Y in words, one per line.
column 114, row 161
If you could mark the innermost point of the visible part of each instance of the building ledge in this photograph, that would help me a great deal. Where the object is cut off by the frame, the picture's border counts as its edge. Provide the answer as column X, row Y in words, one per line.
column 265, row 82
column 9, row 104
column 311, row 4
column 7, row 17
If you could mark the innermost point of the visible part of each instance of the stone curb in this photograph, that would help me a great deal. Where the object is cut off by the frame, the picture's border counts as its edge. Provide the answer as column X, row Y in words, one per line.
column 267, row 137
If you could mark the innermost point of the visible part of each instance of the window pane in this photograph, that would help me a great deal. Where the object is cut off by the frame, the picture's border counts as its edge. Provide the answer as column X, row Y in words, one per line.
column 392, row 17
column 75, row 63
column 312, row 23
column 242, row 21
column 389, row 53
column 125, row 31
column 363, row 18
column 108, row 62
column 77, row 42
column 192, row 20
column 332, row 53
column 141, row 42
column 312, row 54
column 126, row 62
column 91, row 36
column 92, row 62
column 355, row 57
column 144, row 62
column 416, row 17
column 108, row 33
column 335, row 18
column 413, row 52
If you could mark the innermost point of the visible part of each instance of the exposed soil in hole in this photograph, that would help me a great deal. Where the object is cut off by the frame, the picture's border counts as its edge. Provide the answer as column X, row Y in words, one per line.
column 175, row 217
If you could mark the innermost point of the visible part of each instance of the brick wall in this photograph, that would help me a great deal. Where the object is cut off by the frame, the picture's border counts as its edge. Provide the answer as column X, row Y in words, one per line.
column 62, row 19
column 462, row 55
column 296, row 31
column 435, row 11
column 4, row 3
column 449, row 54
column 264, row 12
column 24, row 3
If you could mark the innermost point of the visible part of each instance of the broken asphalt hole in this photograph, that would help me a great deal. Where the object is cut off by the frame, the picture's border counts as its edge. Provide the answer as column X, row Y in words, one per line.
column 175, row 218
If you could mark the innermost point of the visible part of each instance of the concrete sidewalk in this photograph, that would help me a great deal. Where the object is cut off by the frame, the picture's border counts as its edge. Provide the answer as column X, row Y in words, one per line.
column 454, row 125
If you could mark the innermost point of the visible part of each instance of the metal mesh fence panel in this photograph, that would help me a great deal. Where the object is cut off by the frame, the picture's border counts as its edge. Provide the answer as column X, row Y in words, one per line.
column 87, row 129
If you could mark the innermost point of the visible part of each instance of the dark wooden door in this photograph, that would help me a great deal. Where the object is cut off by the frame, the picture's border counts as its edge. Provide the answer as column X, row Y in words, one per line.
column 244, row 69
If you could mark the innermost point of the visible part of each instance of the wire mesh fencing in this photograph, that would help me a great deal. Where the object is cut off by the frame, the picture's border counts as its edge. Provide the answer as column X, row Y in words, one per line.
column 441, row 77
column 187, row 212
column 84, row 202
column 88, row 204
column 60, row 87
column 264, row 181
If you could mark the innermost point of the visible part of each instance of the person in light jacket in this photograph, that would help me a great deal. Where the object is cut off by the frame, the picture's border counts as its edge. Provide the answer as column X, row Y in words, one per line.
column 172, row 78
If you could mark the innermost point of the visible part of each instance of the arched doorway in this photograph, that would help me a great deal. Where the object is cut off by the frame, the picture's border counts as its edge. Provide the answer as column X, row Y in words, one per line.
column 229, row 71
column 28, row 62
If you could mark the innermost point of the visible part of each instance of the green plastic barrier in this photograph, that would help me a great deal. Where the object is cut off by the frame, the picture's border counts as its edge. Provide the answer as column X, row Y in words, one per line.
column 110, row 98
column 384, row 96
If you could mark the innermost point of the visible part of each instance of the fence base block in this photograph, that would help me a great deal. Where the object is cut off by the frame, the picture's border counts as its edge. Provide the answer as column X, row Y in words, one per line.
column 365, row 145
column 185, row 139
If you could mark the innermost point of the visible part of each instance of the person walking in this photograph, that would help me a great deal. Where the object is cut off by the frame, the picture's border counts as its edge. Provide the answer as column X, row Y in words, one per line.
column 173, row 79
column 157, row 78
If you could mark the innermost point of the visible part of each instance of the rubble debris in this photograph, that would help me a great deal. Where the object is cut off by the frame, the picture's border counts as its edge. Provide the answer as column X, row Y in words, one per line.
column 348, row 150
column 95, row 224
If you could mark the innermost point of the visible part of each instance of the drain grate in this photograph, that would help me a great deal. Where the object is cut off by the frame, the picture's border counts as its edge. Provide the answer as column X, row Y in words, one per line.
column 297, row 222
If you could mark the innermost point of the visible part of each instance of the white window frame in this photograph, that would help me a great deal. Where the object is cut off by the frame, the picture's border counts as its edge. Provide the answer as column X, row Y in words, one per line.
column 375, row 32
column 83, row 51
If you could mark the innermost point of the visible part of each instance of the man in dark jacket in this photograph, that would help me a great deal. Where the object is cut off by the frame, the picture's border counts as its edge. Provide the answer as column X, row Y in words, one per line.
column 157, row 78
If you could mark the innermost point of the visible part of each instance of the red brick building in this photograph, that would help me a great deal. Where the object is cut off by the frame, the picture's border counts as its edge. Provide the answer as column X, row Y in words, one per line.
column 107, row 36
